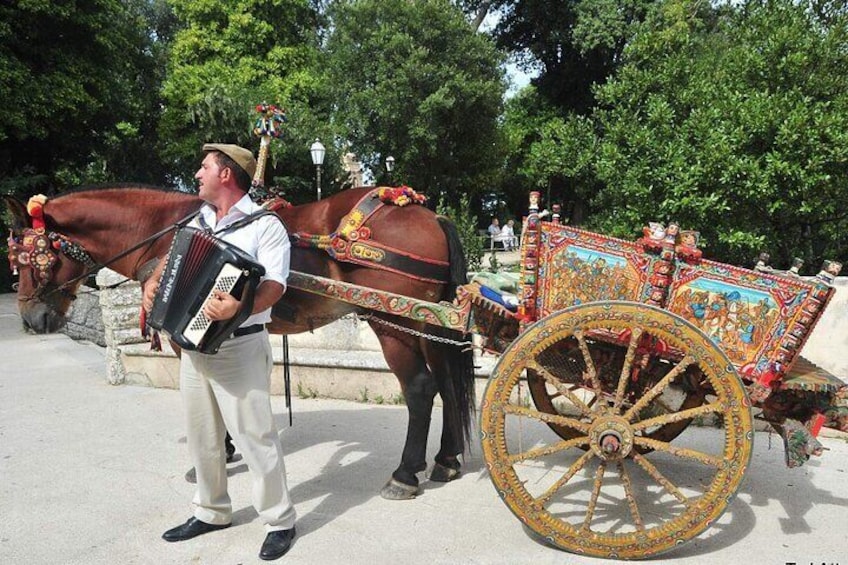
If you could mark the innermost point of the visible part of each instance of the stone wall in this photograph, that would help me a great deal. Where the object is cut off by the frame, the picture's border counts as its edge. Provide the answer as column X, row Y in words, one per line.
column 85, row 319
column 120, row 309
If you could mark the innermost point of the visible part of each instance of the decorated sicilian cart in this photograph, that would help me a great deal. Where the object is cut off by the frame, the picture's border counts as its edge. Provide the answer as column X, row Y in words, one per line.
column 616, row 347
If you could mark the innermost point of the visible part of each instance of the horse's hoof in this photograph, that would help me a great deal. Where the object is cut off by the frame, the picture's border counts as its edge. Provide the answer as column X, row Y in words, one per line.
column 442, row 474
column 396, row 490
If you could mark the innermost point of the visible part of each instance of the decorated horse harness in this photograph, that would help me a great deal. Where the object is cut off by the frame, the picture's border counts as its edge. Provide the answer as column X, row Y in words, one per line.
column 352, row 241
column 39, row 248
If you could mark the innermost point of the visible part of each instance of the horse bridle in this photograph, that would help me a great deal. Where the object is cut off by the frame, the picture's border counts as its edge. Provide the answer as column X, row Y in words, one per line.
column 39, row 249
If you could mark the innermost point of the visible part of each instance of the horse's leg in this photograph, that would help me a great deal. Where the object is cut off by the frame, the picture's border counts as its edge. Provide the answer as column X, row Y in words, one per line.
column 447, row 465
column 403, row 355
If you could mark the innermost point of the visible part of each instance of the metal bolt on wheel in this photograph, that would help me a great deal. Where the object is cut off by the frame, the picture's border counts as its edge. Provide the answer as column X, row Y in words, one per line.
column 597, row 479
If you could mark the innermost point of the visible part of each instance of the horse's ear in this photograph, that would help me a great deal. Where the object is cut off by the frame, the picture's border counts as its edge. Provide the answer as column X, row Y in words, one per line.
column 18, row 212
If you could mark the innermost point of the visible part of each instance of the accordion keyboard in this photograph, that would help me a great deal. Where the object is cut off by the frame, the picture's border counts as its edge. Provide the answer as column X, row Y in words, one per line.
column 224, row 282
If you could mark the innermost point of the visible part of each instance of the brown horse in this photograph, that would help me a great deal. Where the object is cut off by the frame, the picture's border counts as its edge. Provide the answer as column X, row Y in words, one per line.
column 108, row 221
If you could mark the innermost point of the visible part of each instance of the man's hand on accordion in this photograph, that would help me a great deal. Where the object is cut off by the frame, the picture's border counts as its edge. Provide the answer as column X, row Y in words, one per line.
column 148, row 293
column 221, row 306
column 151, row 285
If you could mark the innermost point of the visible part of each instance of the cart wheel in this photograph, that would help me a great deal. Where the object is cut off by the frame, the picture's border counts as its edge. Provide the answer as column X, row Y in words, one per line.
column 568, row 372
column 610, row 489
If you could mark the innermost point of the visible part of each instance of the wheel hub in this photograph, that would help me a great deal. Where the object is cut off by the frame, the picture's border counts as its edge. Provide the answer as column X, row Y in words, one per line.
column 611, row 438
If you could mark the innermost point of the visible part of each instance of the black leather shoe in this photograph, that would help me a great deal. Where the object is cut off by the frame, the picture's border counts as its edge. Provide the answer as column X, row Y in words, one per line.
column 276, row 544
column 191, row 529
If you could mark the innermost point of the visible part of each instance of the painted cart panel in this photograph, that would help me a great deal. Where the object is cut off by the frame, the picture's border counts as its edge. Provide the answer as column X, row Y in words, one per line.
column 759, row 320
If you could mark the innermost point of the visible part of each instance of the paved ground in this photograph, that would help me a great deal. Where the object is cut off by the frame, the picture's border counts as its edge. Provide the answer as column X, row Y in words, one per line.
column 93, row 474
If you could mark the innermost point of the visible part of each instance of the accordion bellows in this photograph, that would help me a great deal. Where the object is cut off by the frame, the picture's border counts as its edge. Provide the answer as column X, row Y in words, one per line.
column 198, row 264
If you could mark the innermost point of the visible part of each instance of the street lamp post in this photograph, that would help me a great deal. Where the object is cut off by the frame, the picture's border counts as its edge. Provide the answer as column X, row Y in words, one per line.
column 390, row 166
column 317, row 150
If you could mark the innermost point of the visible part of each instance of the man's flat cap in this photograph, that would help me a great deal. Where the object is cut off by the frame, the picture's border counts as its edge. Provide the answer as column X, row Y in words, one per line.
column 243, row 157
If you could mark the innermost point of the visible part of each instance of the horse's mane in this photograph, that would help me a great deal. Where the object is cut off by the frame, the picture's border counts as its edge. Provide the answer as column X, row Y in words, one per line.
column 119, row 186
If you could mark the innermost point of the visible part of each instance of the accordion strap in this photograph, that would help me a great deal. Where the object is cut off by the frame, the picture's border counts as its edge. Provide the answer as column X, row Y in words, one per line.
column 237, row 224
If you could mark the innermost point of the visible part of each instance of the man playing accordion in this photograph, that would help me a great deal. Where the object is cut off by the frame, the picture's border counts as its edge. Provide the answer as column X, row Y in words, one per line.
column 229, row 390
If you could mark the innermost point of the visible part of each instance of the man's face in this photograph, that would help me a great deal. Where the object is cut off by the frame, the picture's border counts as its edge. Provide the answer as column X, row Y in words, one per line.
column 209, row 178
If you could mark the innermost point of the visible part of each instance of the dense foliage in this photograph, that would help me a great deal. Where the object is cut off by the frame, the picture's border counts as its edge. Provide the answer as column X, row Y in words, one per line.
column 734, row 122
column 729, row 118
column 227, row 57
column 80, row 84
column 412, row 80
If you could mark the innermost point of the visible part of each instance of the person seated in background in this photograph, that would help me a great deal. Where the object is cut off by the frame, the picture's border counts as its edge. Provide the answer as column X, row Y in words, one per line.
column 507, row 236
column 494, row 231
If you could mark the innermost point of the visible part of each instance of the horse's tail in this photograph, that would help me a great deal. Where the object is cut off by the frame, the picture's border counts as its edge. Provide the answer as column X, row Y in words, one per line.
column 455, row 377
column 456, row 257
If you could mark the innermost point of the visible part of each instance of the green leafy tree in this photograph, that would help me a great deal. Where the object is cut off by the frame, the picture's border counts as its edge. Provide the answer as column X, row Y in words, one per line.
column 524, row 118
column 573, row 45
column 735, row 122
column 415, row 81
column 548, row 153
column 78, row 85
column 226, row 58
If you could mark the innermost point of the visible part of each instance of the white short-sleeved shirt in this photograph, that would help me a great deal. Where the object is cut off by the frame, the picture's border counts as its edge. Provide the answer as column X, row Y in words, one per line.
column 264, row 239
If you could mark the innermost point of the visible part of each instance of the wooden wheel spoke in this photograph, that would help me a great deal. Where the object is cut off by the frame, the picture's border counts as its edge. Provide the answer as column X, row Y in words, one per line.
column 561, row 482
column 548, row 418
column 561, row 388
column 658, row 388
column 590, row 365
column 660, row 478
column 627, row 366
column 593, row 501
column 631, row 499
column 678, row 416
column 700, row 456
column 548, row 450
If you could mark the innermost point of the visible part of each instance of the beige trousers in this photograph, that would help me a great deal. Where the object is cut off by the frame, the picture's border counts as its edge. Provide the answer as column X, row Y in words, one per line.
column 230, row 391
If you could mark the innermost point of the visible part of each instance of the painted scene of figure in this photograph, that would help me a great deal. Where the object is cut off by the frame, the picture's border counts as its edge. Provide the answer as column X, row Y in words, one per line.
column 586, row 275
column 732, row 316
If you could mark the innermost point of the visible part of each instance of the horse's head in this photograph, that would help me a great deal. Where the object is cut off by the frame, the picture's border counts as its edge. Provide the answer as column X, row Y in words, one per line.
column 45, row 262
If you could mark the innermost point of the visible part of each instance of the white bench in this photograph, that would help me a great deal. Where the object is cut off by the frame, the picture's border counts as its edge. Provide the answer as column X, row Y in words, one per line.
column 506, row 241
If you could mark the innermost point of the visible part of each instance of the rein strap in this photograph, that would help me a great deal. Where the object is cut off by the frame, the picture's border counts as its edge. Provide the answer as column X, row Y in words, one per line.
column 96, row 267
column 39, row 248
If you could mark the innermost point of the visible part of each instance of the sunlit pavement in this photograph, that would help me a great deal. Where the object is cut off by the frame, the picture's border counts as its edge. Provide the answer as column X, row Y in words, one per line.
column 93, row 474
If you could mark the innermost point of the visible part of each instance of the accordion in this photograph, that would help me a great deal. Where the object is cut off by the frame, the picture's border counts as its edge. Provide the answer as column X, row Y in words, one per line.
column 199, row 264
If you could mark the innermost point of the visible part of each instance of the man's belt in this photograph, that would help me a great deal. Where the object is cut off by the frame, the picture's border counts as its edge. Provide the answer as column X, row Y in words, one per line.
column 247, row 330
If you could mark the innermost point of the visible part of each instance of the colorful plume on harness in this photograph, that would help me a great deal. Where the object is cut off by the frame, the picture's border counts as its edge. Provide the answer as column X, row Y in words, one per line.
column 269, row 121
column 400, row 196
